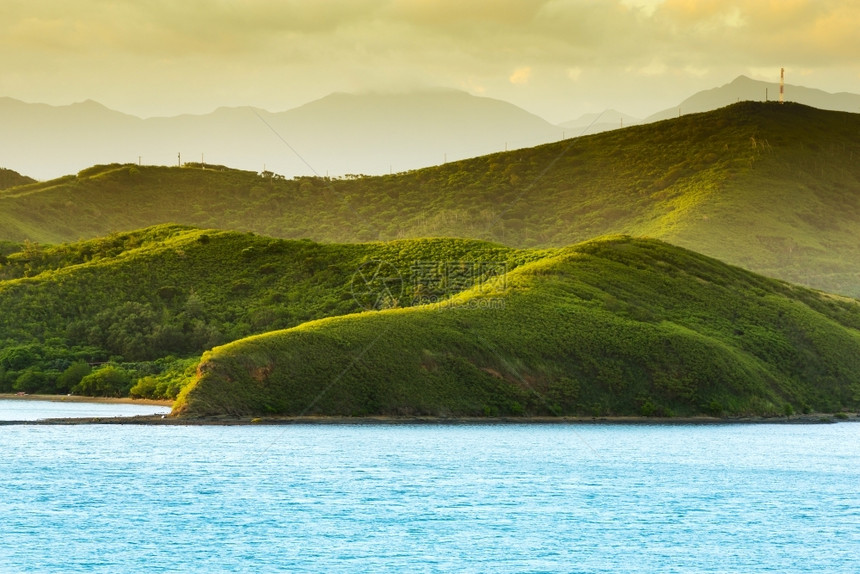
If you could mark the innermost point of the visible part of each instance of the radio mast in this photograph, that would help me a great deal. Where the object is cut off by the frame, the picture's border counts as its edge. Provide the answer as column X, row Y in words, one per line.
column 781, row 84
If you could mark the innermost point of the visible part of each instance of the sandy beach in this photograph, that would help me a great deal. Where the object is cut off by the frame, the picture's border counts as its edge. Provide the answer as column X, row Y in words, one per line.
column 80, row 399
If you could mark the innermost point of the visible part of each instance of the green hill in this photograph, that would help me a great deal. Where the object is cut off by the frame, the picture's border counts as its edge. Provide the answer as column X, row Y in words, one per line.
column 772, row 188
column 9, row 178
column 142, row 299
column 466, row 327
column 613, row 326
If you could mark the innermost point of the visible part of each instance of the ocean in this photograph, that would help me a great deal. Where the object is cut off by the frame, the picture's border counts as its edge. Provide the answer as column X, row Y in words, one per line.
column 430, row 498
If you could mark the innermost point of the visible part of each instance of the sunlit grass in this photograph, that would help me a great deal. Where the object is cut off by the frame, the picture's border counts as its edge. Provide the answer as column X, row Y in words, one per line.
column 617, row 326
column 769, row 187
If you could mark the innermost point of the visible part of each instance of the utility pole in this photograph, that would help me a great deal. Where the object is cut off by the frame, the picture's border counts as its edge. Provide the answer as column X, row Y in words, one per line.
column 781, row 84
column 179, row 159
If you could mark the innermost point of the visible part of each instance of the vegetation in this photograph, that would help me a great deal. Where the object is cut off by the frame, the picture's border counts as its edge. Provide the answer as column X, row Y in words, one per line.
column 148, row 301
column 615, row 326
column 455, row 327
column 414, row 325
column 9, row 178
column 766, row 186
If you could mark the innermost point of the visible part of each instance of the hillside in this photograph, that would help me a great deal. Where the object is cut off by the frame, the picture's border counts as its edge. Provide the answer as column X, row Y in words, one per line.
column 615, row 326
column 337, row 134
column 773, row 188
column 743, row 88
column 740, row 89
column 144, row 299
column 10, row 178
column 599, row 122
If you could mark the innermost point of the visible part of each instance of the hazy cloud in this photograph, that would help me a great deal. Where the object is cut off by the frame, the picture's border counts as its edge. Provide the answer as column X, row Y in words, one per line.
column 160, row 57
column 520, row 75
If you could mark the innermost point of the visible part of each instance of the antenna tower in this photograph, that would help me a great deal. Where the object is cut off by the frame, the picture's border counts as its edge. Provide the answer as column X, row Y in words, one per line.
column 781, row 84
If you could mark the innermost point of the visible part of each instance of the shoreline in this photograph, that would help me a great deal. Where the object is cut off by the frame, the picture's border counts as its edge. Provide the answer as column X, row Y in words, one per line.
column 81, row 399
column 226, row 420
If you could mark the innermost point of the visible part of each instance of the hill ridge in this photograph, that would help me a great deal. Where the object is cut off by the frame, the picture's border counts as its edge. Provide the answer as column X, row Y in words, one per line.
column 617, row 326
column 744, row 88
column 764, row 186
column 152, row 300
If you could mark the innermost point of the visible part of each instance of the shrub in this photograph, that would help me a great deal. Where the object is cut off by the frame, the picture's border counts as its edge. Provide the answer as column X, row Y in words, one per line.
column 32, row 381
column 72, row 376
column 144, row 388
column 109, row 381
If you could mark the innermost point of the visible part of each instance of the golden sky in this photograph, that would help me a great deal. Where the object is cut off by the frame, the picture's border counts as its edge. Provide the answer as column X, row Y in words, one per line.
column 556, row 58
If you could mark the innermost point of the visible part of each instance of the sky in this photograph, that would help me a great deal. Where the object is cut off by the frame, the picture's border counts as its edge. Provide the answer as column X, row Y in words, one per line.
column 556, row 58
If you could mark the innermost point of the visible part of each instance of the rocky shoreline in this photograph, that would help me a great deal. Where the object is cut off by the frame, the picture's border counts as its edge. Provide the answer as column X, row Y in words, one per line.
column 227, row 420
column 233, row 420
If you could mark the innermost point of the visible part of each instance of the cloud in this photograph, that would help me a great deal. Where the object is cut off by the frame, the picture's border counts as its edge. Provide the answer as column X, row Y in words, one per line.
column 654, row 68
column 582, row 33
column 277, row 53
column 450, row 14
column 696, row 72
column 520, row 75
column 814, row 32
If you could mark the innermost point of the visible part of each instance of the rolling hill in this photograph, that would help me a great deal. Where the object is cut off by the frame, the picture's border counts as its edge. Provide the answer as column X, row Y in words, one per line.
column 144, row 299
column 615, row 326
column 772, row 188
column 419, row 327
column 10, row 178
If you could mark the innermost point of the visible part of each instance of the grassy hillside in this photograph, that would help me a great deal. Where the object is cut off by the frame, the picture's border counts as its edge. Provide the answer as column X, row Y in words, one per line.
column 466, row 327
column 774, row 188
column 615, row 326
column 144, row 298
column 9, row 178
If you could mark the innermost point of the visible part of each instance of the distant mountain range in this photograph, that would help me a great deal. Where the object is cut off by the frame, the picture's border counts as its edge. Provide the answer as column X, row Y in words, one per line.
column 336, row 135
column 339, row 134
column 740, row 89
column 743, row 88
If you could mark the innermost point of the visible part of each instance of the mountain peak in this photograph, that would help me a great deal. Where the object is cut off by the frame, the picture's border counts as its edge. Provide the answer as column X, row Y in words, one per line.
column 742, row 79
column 744, row 88
column 368, row 133
column 89, row 104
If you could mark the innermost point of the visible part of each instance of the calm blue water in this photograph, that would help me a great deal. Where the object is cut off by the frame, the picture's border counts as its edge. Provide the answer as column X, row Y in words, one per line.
column 757, row 498
column 24, row 410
